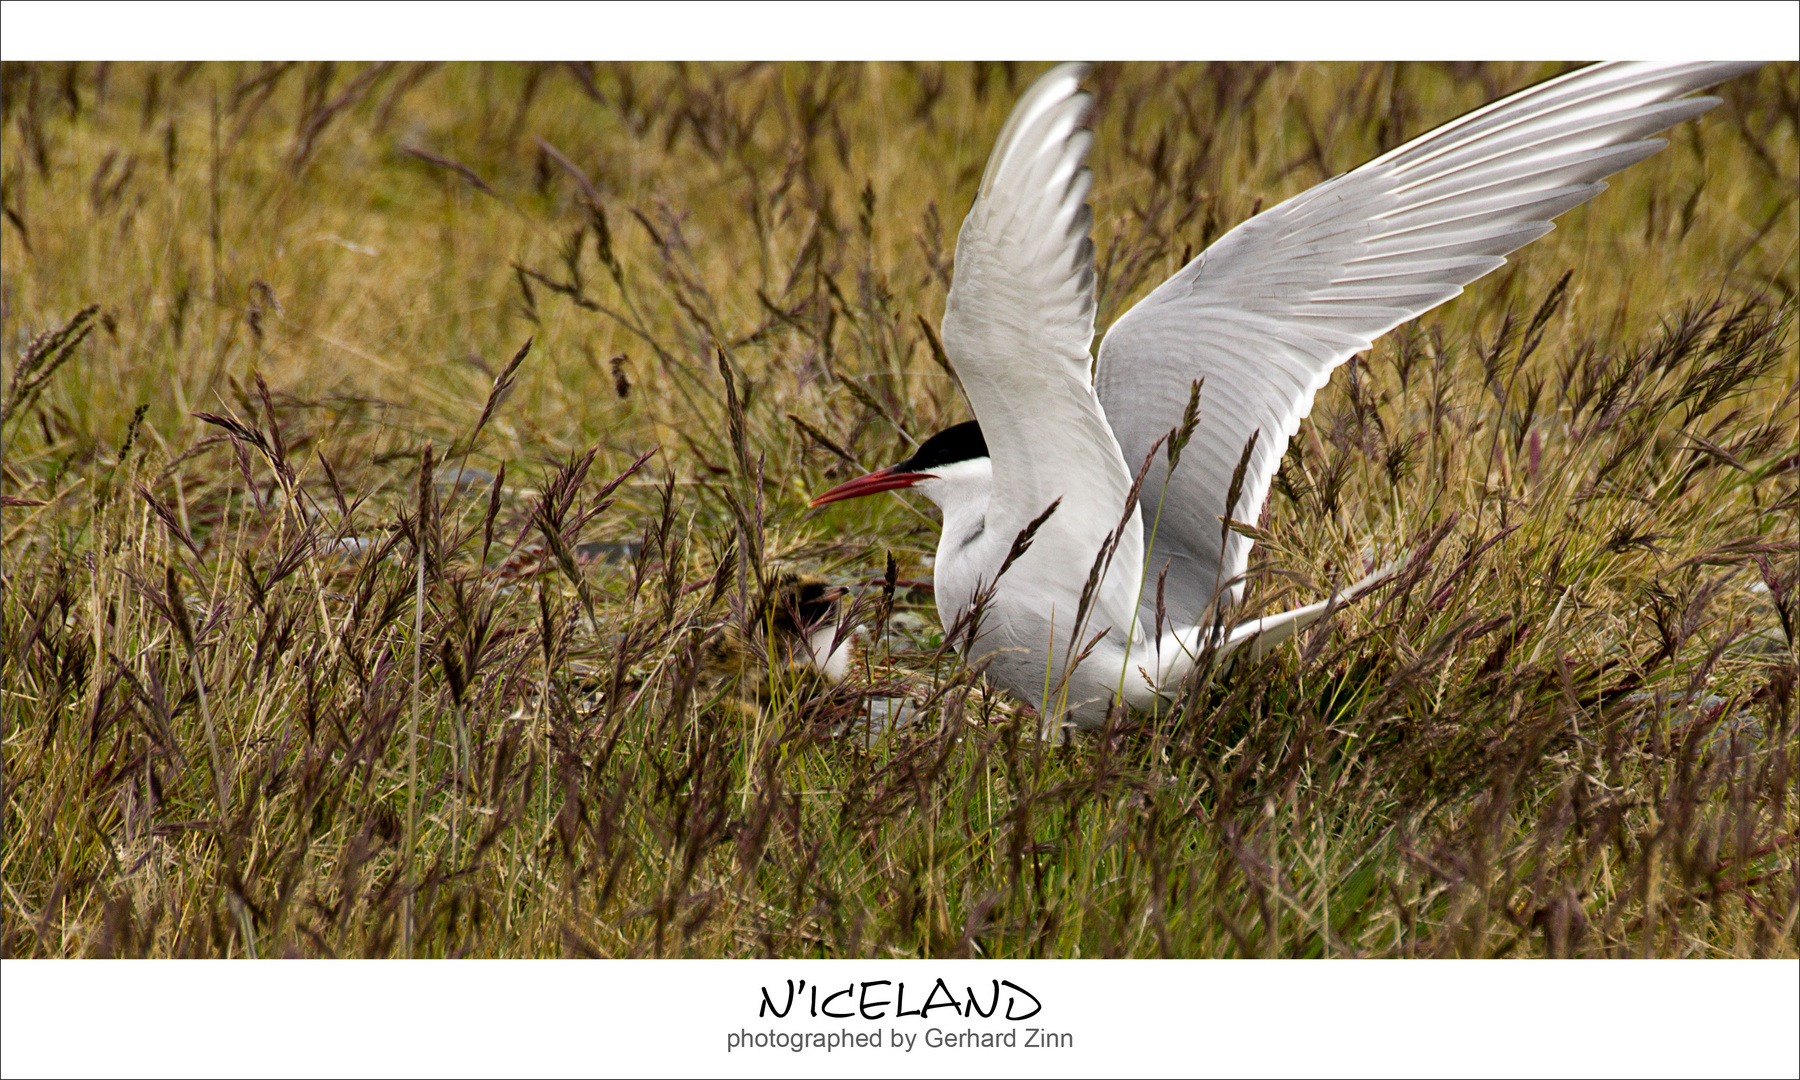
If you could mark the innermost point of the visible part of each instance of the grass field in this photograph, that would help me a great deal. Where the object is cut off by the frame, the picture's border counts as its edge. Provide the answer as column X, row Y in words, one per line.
column 276, row 684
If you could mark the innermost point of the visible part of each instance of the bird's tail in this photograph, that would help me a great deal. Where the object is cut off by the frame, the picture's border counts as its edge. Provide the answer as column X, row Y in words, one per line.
column 1263, row 634
column 1179, row 650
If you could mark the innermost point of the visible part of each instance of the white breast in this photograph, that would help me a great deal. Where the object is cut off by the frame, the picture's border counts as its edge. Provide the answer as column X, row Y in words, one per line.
column 834, row 664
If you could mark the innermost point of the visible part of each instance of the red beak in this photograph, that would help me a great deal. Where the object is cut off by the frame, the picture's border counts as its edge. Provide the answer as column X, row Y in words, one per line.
column 887, row 479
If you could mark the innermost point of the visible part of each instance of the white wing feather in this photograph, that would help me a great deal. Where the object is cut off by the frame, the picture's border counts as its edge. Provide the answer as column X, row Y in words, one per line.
column 1017, row 327
column 1270, row 310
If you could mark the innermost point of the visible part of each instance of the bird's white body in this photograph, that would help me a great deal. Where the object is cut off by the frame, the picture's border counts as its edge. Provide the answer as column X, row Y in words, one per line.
column 1032, row 606
column 828, row 650
column 1263, row 316
column 1025, row 646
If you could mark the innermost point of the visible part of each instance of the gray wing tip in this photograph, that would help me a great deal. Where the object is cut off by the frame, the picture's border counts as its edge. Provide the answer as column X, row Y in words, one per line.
column 1028, row 104
column 1080, row 69
column 1731, row 69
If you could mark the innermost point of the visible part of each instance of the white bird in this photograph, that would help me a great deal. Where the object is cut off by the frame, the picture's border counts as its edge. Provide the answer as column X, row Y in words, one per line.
column 1264, row 316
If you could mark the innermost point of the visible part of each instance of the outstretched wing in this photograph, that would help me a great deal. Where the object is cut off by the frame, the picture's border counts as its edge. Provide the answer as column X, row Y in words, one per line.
column 1270, row 310
column 1017, row 327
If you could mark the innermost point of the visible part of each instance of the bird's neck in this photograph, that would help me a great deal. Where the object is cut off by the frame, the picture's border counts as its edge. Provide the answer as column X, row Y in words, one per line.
column 961, row 492
column 963, row 556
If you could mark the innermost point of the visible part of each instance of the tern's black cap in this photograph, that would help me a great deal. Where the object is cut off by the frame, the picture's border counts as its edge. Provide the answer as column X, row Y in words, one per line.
column 949, row 446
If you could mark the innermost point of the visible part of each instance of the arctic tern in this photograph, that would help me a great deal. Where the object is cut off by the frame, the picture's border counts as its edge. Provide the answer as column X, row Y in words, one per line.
column 1263, row 316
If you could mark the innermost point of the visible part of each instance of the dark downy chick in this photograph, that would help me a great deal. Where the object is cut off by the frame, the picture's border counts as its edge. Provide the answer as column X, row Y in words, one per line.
column 785, row 645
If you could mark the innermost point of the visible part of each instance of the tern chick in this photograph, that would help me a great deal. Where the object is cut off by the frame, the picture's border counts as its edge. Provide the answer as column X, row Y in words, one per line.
column 790, row 642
